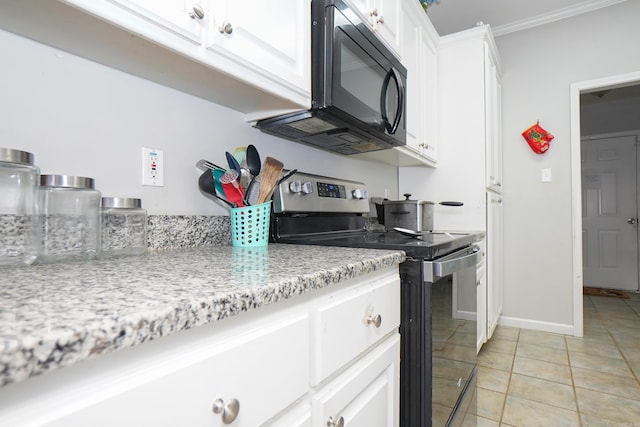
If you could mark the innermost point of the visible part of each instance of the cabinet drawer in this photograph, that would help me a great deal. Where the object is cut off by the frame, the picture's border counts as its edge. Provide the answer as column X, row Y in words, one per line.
column 367, row 394
column 265, row 370
column 349, row 323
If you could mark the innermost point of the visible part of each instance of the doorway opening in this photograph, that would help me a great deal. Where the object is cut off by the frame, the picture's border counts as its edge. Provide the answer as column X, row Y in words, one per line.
column 597, row 87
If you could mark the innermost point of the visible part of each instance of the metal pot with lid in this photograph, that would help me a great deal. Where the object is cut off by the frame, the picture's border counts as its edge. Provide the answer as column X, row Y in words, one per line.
column 410, row 214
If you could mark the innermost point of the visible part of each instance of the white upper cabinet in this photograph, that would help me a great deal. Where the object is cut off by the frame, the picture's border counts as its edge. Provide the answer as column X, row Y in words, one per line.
column 178, row 16
column 420, row 58
column 271, row 38
column 493, row 125
column 384, row 18
column 253, row 57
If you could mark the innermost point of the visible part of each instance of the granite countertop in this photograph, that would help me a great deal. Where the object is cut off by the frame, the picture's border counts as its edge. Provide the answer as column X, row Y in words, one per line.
column 58, row 314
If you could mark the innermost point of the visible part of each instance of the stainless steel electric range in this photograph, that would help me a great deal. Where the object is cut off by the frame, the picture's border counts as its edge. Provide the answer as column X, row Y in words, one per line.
column 438, row 291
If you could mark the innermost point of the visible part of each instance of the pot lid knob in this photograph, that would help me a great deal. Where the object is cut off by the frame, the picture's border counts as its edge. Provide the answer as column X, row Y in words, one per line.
column 406, row 196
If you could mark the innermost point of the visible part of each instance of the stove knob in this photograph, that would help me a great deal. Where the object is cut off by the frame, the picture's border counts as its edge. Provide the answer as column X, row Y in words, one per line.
column 295, row 186
column 307, row 187
column 360, row 193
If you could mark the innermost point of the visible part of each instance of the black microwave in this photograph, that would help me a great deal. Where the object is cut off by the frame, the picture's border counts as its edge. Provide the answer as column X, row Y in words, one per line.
column 357, row 88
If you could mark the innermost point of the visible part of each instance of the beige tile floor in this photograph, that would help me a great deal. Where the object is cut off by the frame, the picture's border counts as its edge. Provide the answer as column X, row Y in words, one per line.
column 531, row 378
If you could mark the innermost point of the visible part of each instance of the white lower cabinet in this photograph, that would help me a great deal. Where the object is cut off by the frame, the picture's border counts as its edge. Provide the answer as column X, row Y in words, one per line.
column 495, row 280
column 216, row 384
column 345, row 325
column 365, row 395
column 333, row 352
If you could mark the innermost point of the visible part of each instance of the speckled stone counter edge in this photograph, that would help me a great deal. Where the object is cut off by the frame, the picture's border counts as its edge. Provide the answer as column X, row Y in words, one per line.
column 43, row 349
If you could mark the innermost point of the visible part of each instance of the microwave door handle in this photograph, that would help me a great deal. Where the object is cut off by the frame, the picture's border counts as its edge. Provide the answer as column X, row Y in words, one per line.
column 391, row 128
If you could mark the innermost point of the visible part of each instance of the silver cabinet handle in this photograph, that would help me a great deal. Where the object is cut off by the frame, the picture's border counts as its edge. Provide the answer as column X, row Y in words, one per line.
column 332, row 422
column 226, row 28
column 374, row 320
column 380, row 20
column 631, row 221
column 374, row 12
column 196, row 12
column 228, row 410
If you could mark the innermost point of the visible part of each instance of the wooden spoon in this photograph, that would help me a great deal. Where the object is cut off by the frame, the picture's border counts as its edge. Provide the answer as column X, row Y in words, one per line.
column 269, row 175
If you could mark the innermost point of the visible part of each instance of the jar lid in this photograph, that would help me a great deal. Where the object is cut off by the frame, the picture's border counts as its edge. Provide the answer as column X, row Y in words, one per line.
column 67, row 181
column 16, row 156
column 121, row 202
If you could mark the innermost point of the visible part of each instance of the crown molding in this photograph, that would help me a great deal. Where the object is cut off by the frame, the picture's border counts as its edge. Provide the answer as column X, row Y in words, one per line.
column 553, row 16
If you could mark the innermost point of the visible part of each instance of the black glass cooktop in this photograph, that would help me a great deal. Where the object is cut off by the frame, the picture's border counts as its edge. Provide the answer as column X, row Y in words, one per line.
column 428, row 246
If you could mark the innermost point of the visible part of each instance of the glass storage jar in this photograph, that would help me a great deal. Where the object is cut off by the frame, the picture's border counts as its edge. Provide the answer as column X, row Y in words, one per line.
column 69, row 217
column 124, row 227
column 19, row 237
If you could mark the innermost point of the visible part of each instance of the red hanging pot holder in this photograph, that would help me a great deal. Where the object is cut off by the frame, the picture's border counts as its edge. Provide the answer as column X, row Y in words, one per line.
column 538, row 138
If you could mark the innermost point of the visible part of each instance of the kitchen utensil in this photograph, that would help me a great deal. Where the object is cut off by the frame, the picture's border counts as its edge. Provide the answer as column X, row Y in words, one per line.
column 254, row 165
column 253, row 160
column 410, row 233
column 233, row 163
column 229, row 180
column 207, row 184
column 217, row 174
column 271, row 171
column 239, row 153
column 253, row 191
column 205, row 165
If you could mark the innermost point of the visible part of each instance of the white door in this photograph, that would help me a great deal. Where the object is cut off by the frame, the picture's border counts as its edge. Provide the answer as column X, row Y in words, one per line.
column 609, row 213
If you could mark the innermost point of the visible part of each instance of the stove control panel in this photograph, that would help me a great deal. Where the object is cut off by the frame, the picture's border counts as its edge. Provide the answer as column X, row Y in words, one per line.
column 304, row 192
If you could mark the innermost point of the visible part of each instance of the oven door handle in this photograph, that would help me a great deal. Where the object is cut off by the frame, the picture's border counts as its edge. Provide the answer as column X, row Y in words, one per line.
column 465, row 258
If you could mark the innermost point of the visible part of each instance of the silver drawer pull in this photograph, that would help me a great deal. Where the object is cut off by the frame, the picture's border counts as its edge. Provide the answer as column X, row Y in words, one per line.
column 196, row 12
column 332, row 422
column 226, row 28
column 228, row 410
column 374, row 320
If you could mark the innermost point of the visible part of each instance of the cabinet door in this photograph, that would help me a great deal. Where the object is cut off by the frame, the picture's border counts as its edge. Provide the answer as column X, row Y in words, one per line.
column 493, row 124
column 270, row 37
column 419, row 56
column 386, row 16
column 365, row 395
column 412, row 39
column 429, row 77
column 481, row 296
column 345, row 326
column 494, row 262
column 265, row 369
column 178, row 16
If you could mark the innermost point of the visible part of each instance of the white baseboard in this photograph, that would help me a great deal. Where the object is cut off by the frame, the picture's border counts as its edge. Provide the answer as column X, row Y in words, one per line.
column 536, row 325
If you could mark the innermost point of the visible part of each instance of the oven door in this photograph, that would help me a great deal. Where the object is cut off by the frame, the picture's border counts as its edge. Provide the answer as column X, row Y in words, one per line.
column 454, row 317
column 365, row 80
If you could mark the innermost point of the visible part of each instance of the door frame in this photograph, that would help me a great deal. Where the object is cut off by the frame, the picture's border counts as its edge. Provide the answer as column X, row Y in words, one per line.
column 576, row 89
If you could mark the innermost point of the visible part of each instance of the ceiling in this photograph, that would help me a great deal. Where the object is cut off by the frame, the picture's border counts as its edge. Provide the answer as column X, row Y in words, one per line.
column 506, row 16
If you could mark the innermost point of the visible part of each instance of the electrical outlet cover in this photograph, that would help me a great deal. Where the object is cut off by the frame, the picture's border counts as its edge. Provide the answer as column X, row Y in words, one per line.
column 152, row 167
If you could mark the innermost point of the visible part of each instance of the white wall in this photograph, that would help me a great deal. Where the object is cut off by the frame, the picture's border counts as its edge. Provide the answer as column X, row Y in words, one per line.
column 82, row 118
column 539, row 65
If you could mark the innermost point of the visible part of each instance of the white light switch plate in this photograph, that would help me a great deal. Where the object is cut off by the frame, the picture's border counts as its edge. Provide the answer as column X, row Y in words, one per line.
column 546, row 175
